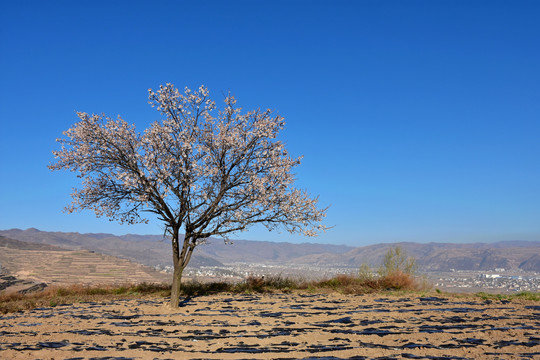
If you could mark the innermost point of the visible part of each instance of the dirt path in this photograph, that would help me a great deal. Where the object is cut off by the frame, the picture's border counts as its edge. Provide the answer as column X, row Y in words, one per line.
column 291, row 326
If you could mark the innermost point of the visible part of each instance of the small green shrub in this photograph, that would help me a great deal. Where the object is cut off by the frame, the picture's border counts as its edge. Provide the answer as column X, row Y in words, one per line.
column 62, row 292
column 527, row 295
column 120, row 290
column 397, row 261
column 98, row 291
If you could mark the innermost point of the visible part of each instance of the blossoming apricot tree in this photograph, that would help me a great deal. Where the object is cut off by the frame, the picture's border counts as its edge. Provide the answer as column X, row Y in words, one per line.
column 203, row 171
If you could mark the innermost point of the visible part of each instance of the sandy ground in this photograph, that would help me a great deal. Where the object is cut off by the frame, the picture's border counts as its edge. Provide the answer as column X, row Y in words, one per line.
column 278, row 326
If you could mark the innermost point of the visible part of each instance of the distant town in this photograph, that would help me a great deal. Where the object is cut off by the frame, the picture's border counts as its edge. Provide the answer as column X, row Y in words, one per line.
column 496, row 281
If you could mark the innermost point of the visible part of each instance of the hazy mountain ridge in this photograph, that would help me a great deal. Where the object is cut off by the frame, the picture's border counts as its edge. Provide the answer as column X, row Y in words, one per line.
column 22, row 245
column 524, row 255
column 155, row 250
column 150, row 250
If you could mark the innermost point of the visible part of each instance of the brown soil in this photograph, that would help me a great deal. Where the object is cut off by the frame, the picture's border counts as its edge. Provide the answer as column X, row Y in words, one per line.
column 284, row 326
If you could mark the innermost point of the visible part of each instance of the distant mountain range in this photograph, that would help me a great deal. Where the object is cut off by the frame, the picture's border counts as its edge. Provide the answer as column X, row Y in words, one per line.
column 155, row 250
column 444, row 256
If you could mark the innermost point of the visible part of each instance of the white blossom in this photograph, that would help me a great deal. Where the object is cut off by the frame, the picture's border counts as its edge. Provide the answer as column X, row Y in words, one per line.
column 201, row 170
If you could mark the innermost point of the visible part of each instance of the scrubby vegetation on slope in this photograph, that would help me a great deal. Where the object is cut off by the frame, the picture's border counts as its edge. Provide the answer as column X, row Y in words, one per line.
column 54, row 296
column 347, row 284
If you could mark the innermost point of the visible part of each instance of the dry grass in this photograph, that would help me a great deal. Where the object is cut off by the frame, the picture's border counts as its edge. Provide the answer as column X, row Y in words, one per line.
column 347, row 284
column 54, row 295
column 251, row 285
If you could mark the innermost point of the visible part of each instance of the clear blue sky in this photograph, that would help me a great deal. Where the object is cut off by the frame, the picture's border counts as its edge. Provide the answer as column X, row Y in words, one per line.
column 418, row 120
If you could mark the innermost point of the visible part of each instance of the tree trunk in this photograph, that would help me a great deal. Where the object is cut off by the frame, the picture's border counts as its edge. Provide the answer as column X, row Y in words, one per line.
column 176, row 284
column 180, row 260
column 178, row 264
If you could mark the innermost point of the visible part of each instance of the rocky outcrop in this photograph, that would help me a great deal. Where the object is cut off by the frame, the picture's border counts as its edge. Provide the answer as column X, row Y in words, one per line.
column 10, row 284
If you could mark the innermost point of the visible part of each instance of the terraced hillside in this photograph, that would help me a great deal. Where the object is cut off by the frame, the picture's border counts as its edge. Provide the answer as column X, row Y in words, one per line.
column 54, row 265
